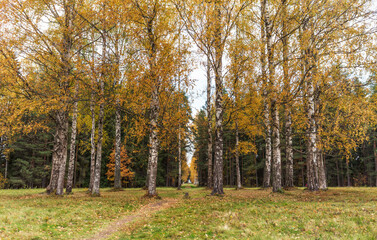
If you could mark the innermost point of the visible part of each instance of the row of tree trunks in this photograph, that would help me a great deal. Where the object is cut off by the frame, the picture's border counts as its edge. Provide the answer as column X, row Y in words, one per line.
column 315, row 163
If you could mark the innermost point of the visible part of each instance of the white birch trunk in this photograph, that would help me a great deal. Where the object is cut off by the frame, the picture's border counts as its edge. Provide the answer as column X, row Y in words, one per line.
column 267, row 164
column 312, row 169
column 276, row 153
column 72, row 153
column 154, row 113
column 266, row 108
column 287, row 107
column 54, row 169
column 61, row 149
column 97, row 170
column 219, row 146
column 321, row 171
column 276, row 162
column 154, row 144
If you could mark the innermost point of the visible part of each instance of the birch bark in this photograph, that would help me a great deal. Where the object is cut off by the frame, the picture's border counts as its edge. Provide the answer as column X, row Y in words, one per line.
column 219, row 146
column 62, row 114
column 287, row 107
column 209, row 119
column 276, row 153
column 266, row 107
column 154, row 111
column 71, row 165
column 97, row 170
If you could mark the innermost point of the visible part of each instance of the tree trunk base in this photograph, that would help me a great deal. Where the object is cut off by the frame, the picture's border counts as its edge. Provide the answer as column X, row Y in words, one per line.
column 151, row 196
column 217, row 194
column 280, row 190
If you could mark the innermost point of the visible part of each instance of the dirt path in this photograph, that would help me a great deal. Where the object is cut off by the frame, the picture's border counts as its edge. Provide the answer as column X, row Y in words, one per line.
column 144, row 211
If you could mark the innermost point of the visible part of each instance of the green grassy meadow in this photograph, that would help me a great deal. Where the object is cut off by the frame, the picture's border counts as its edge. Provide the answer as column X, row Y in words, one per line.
column 339, row 213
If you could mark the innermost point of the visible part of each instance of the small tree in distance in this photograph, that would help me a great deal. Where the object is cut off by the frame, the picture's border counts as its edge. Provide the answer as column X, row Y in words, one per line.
column 125, row 161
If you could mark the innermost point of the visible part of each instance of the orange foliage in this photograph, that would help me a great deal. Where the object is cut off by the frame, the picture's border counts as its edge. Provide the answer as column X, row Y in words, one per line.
column 125, row 162
column 193, row 170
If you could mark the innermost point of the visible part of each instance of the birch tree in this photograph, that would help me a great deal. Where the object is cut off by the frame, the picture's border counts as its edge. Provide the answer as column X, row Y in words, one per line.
column 157, row 36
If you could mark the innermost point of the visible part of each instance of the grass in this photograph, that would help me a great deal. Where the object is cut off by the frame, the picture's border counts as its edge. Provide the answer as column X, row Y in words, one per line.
column 27, row 214
column 339, row 213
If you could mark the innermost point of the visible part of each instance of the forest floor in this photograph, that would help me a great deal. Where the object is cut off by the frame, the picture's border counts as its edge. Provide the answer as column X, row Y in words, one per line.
column 339, row 213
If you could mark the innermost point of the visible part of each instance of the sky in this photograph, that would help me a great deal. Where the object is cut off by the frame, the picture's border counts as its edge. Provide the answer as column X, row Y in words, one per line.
column 197, row 95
